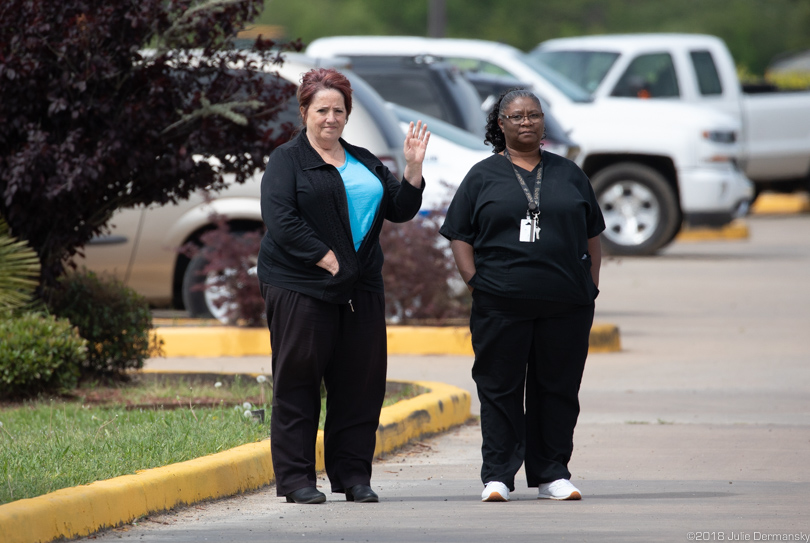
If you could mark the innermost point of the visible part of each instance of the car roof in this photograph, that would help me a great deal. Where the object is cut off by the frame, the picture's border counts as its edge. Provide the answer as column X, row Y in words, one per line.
column 629, row 42
column 301, row 63
column 506, row 57
column 399, row 45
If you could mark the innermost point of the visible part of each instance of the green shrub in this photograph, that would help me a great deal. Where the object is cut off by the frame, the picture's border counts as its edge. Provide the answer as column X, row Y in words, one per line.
column 794, row 80
column 39, row 353
column 114, row 319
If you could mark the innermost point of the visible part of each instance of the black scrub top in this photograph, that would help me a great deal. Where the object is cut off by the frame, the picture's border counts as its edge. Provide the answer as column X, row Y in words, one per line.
column 486, row 212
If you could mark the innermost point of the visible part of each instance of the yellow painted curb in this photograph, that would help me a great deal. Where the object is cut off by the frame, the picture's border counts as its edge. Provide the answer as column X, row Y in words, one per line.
column 442, row 408
column 604, row 338
column 184, row 321
column 736, row 229
column 771, row 203
column 423, row 340
column 79, row 511
column 82, row 510
column 215, row 341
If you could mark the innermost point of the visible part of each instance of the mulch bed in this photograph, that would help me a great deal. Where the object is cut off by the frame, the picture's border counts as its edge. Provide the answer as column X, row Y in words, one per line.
column 112, row 395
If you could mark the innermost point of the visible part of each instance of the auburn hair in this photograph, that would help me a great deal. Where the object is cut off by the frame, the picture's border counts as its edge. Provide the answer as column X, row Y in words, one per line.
column 318, row 79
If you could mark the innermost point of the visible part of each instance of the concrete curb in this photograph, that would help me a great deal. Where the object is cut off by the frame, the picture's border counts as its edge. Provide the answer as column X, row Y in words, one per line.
column 80, row 511
column 216, row 341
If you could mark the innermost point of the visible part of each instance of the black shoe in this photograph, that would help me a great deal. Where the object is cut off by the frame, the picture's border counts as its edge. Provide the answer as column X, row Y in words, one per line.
column 361, row 494
column 308, row 494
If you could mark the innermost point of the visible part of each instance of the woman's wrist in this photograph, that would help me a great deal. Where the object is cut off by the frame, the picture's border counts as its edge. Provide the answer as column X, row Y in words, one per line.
column 413, row 174
column 329, row 262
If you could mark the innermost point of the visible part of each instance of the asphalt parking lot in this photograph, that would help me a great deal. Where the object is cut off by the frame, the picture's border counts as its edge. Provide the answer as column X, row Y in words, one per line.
column 699, row 429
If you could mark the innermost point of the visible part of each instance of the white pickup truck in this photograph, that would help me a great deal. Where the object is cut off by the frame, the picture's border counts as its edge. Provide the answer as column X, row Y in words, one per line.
column 695, row 69
column 654, row 165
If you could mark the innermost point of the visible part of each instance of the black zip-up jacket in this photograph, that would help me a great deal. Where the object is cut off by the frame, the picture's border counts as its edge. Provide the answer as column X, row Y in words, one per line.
column 305, row 209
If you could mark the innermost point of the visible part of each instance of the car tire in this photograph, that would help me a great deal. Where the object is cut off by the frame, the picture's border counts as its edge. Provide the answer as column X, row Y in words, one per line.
column 640, row 209
column 199, row 303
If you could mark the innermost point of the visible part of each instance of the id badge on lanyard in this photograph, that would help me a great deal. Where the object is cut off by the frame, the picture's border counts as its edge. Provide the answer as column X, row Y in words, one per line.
column 530, row 226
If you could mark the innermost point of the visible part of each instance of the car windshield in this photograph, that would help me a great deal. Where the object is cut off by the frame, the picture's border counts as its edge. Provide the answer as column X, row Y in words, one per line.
column 441, row 128
column 568, row 87
column 585, row 68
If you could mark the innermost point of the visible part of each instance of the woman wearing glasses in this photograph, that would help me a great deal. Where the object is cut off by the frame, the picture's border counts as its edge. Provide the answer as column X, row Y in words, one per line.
column 524, row 229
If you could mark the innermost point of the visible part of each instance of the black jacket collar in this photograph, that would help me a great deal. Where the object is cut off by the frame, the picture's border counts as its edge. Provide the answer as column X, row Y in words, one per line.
column 310, row 158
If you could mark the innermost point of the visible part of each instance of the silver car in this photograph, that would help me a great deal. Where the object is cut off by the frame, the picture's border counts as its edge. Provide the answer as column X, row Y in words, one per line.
column 142, row 247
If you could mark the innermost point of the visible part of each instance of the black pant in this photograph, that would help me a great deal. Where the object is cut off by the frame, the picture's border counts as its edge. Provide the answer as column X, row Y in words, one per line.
column 542, row 347
column 345, row 346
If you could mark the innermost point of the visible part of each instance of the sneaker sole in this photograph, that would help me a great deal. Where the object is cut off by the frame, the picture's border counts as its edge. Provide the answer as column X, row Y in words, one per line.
column 494, row 497
column 572, row 496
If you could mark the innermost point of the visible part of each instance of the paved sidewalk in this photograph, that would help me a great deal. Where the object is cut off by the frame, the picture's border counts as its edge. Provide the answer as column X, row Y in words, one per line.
column 701, row 425
column 640, row 483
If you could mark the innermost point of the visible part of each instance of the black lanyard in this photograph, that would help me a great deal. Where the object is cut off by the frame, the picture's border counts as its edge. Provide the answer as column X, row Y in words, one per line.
column 534, row 203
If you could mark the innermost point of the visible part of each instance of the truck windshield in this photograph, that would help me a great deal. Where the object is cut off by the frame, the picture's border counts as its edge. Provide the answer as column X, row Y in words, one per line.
column 585, row 68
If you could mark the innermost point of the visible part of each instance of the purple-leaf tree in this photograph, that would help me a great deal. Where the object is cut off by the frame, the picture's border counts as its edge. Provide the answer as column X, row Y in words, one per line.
column 105, row 105
column 418, row 271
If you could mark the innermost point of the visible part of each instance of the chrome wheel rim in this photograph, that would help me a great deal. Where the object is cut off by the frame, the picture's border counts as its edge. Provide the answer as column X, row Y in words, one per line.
column 216, row 292
column 632, row 213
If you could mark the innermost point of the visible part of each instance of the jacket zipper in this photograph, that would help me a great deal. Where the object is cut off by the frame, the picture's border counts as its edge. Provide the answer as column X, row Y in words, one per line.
column 379, row 217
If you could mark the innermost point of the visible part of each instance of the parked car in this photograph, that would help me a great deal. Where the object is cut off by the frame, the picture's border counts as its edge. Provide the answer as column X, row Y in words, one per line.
column 440, row 91
column 424, row 84
column 141, row 248
column 450, row 155
column 453, row 151
column 653, row 164
column 694, row 69
column 490, row 87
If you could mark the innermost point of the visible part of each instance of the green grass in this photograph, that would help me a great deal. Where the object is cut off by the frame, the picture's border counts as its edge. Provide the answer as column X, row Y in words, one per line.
column 61, row 445
column 48, row 445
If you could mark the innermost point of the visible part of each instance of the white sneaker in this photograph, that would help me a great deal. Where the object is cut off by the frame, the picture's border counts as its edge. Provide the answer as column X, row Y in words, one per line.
column 561, row 489
column 495, row 491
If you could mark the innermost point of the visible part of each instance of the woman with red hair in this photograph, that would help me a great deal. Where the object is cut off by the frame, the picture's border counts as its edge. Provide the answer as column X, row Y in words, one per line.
column 320, row 272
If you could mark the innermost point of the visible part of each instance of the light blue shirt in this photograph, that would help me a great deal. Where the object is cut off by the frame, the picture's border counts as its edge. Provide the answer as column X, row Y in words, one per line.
column 364, row 193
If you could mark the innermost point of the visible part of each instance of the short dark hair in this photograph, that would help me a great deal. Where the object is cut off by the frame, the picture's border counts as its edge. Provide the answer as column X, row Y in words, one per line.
column 318, row 79
column 494, row 135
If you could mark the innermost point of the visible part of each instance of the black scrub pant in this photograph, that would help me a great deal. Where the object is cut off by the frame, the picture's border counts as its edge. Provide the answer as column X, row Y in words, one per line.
column 539, row 347
column 345, row 346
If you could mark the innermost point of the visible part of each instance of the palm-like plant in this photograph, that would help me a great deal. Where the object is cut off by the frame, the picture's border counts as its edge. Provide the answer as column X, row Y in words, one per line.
column 19, row 270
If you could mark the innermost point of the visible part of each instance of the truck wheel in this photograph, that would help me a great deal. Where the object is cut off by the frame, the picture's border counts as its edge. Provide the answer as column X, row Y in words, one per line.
column 200, row 303
column 640, row 209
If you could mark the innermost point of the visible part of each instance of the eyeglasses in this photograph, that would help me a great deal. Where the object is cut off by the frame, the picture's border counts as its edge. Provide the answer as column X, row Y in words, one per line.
column 518, row 118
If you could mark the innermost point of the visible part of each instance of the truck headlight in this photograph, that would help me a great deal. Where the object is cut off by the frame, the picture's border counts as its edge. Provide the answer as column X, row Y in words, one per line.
column 720, row 136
